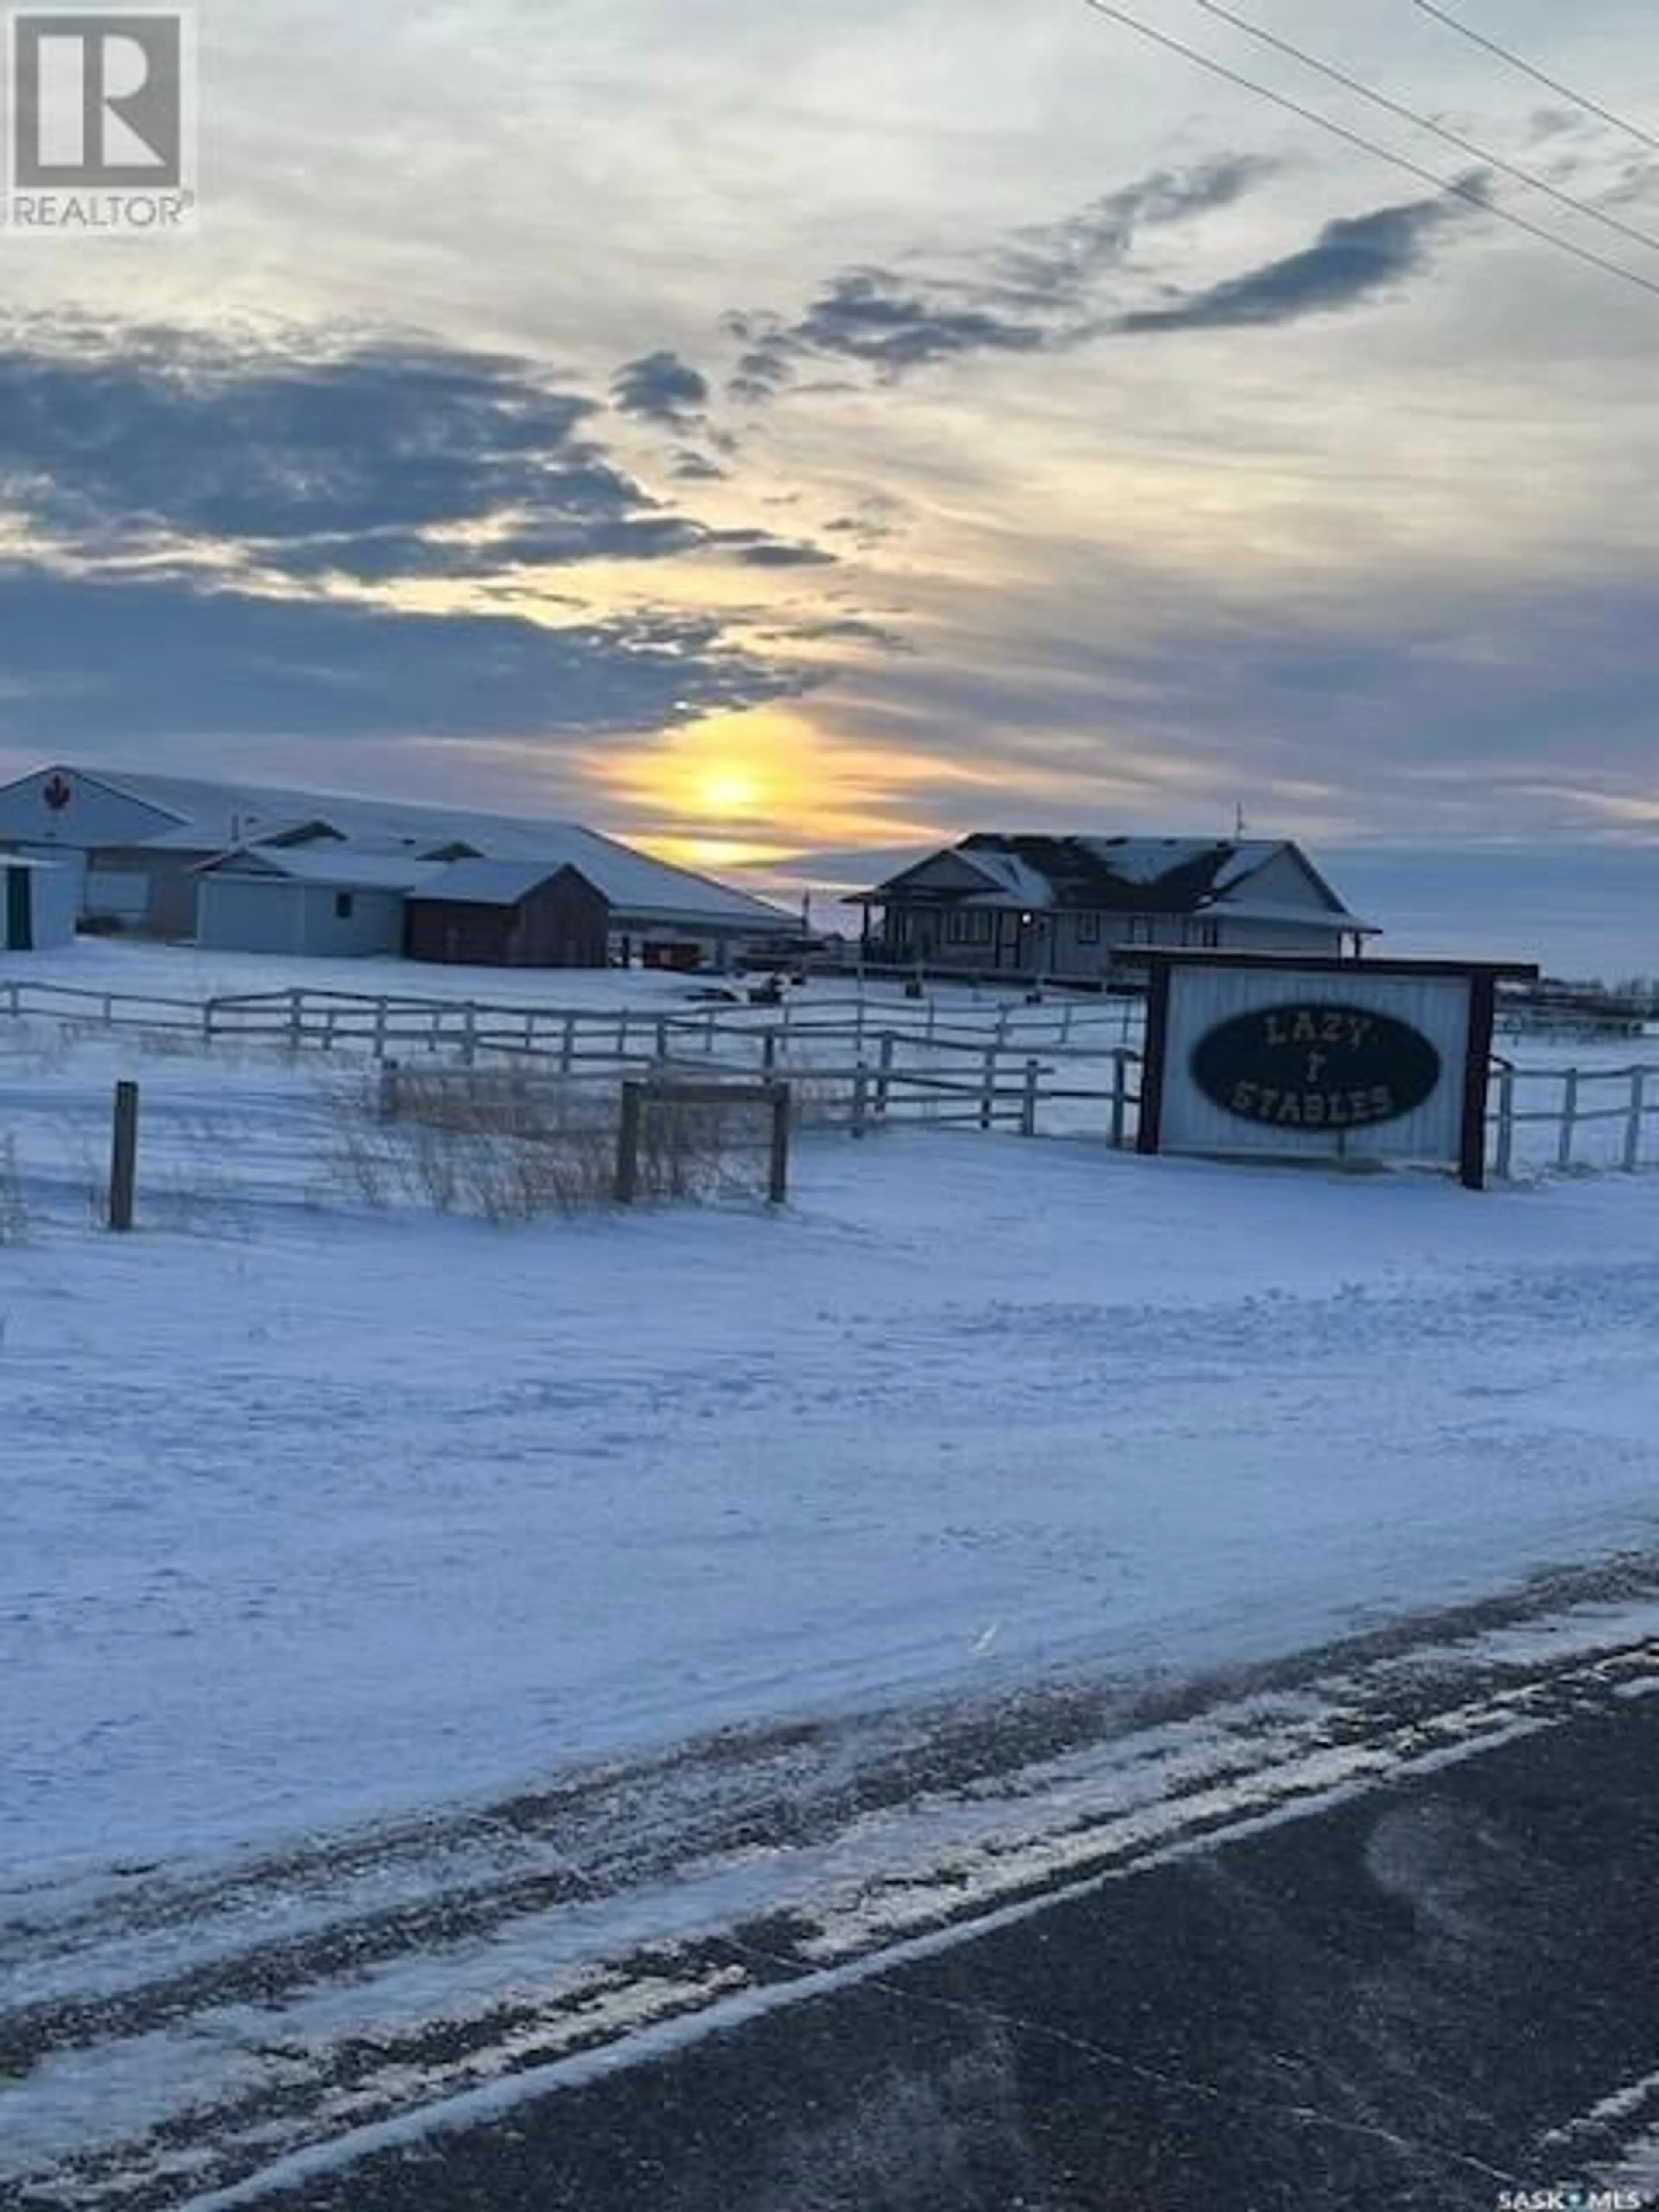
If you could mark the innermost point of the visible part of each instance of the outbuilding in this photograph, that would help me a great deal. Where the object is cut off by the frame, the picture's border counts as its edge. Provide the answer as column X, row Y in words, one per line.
column 509, row 914
column 325, row 899
column 37, row 903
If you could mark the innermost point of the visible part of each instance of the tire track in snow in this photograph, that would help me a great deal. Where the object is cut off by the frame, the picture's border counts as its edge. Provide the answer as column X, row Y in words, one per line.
column 176, row 2035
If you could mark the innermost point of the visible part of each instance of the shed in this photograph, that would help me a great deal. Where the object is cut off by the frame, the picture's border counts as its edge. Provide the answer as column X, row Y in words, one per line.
column 330, row 899
column 509, row 914
column 37, row 903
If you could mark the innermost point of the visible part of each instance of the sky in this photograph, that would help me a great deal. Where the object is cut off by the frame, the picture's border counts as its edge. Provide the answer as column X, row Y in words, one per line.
column 752, row 429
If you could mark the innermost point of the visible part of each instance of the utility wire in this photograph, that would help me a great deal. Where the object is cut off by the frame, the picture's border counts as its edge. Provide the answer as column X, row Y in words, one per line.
column 1458, row 187
column 1529, row 69
column 1527, row 177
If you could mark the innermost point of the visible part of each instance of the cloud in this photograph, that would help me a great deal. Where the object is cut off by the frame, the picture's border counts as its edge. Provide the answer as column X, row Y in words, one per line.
column 661, row 388
column 1352, row 261
column 162, row 662
column 1061, row 262
column 1022, row 295
column 368, row 460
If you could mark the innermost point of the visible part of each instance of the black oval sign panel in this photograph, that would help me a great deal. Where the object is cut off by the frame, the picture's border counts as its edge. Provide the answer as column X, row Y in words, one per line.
column 1312, row 1066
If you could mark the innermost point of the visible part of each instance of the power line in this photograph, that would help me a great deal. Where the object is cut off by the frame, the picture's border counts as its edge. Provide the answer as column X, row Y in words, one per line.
column 1540, row 76
column 1426, row 123
column 1458, row 187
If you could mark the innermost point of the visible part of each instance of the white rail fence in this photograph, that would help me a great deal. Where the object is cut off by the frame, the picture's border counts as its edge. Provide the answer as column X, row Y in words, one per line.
column 302, row 1019
column 1573, row 1117
column 1061, row 1068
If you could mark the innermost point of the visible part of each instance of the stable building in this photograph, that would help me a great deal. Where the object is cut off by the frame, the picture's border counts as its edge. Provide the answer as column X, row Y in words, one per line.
column 509, row 913
column 1079, row 909
column 37, row 904
column 143, row 851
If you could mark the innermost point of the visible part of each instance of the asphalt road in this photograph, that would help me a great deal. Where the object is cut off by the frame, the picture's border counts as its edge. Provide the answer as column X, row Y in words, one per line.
column 1375, row 1926
column 1390, row 2003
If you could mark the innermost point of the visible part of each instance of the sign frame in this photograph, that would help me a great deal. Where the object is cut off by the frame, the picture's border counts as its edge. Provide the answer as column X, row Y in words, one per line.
column 1164, row 1079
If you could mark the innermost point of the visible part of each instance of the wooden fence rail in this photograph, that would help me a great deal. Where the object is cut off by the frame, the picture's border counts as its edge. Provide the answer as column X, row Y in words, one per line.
column 865, row 1062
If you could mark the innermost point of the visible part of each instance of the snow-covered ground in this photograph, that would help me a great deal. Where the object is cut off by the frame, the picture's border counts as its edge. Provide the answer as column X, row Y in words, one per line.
column 315, row 1513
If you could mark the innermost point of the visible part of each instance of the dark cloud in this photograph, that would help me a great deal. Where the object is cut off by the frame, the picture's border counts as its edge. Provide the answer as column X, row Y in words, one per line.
column 758, row 549
column 1060, row 263
column 162, row 661
column 854, row 630
column 370, row 461
column 660, row 387
column 690, row 466
column 1350, row 262
column 1025, row 295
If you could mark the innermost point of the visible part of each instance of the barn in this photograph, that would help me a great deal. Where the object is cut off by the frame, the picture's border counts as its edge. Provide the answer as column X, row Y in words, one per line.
column 37, row 903
column 509, row 914
column 151, row 855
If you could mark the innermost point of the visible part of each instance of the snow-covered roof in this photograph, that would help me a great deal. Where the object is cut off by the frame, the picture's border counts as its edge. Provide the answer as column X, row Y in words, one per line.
column 1152, row 860
column 334, row 862
column 488, row 882
column 1119, row 875
column 213, row 817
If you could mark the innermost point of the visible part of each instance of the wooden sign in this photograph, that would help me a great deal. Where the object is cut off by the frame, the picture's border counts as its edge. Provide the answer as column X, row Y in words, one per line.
column 1314, row 1065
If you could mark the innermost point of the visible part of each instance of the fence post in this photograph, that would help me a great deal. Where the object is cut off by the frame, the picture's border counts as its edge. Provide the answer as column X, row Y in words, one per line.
column 777, row 1178
column 628, row 1142
column 769, row 1050
column 469, row 1033
column 1504, row 1155
column 1028, row 1104
column 123, row 1155
column 988, row 1096
column 860, row 1098
column 389, row 1101
column 568, row 1044
column 884, row 1078
column 1569, row 1117
column 380, row 1029
column 662, row 1037
column 1119, row 1098
column 1639, row 1083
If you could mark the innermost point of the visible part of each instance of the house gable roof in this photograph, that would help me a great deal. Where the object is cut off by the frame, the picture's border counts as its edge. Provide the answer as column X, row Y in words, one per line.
column 496, row 883
column 1114, row 875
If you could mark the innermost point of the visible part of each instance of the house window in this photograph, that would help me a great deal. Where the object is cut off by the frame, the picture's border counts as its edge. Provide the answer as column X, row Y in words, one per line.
column 1088, row 929
column 344, row 904
column 1139, row 930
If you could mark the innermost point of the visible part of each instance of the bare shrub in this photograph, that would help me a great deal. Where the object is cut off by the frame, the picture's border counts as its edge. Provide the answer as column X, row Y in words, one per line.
column 14, row 1221
column 503, row 1146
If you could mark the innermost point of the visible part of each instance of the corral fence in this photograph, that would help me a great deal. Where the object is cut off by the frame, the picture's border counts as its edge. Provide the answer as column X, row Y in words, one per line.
column 1061, row 1067
column 1572, row 1118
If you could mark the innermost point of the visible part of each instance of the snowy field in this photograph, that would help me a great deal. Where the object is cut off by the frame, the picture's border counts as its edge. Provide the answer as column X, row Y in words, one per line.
column 314, row 1512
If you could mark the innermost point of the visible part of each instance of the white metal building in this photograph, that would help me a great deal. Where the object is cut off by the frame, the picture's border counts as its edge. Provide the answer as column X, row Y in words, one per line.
column 38, row 901
column 139, row 847
column 328, row 900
